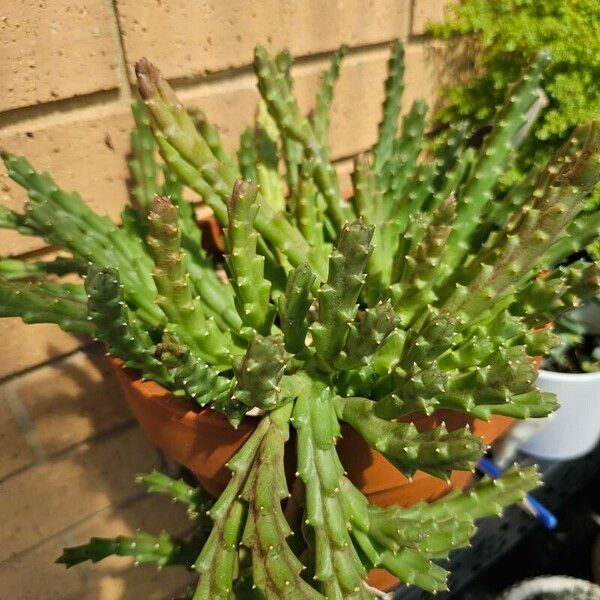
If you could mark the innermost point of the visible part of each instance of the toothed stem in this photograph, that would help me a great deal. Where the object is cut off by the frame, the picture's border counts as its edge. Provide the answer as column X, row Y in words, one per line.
column 194, row 498
column 247, row 267
column 184, row 312
column 12, row 269
column 294, row 306
column 190, row 157
column 68, row 222
column 144, row 547
column 142, row 165
column 337, row 297
column 508, row 256
column 116, row 325
column 401, row 167
column 388, row 126
column 9, row 219
column 200, row 382
column 495, row 155
column 276, row 570
column 217, row 565
column 437, row 452
column 367, row 336
column 259, row 372
column 320, row 117
column 62, row 304
column 338, row 567
column 211, row 135
column 283, row 107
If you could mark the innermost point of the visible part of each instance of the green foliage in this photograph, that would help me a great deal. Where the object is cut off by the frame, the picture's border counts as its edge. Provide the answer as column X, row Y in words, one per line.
column 423, row 291
column 510, row 34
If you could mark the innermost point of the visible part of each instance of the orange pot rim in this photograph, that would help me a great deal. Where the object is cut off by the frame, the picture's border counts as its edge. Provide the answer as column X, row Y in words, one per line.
column 182, row 409
column 184, row 412
column 187, row 415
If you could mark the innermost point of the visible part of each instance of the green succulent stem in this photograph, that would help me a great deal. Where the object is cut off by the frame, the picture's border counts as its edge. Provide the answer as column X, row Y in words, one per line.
column 338, row 295
column 388, row 126
column 143, row 165
column 247, row 267
column 195, row 499
column 437, row 452
column 285, row 111
column 62, row 304
column 117, row 327
column 276, row 570
column 320, row 116
column 14, row 269
column 143, row 547
column 217, row 563
column 432, row 288
column 68, row 222
column 187, row 318
column 190, row 157
column 294, row 307
column 498, row 149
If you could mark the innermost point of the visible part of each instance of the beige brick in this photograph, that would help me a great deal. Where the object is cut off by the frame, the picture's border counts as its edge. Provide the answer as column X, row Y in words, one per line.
column 110, row 579
column 63, row 149
column 44, row 500
column 13, row 243
column 33, row 575
column 192, row 38
column 356, row 109
column 54, row 50
column 25, row 346
column 72, row 400
column 144, row 582
column 424, row 73
column 85, row 155
column 426, row 11
column 14, row 452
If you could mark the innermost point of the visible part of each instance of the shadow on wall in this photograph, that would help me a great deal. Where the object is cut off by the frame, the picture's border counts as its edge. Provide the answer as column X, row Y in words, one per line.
column 454, row 61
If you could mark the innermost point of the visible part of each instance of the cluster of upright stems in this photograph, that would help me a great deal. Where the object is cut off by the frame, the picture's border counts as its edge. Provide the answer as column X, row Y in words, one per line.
column 426, row 289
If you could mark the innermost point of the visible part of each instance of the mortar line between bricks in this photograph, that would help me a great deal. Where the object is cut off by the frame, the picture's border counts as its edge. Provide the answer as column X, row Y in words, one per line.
column 61, row 454
column 421, row 38
column 94, row 439
column 55, row 110
column 86, row 345
column 233, row 74
column 20, row 414
column 64, row 533
column 114, row 507
column 87, row 106
column 117, row 35
column 411, row 16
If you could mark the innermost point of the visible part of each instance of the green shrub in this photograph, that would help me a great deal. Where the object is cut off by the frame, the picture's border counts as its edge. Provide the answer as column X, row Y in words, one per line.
column 509, row 33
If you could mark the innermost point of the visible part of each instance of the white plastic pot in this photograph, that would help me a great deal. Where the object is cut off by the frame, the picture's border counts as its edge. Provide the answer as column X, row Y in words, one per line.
column 574, row 429
column 557, row 586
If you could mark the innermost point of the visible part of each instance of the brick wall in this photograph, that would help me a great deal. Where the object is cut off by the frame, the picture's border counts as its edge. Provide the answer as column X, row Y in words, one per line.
column 68, row 447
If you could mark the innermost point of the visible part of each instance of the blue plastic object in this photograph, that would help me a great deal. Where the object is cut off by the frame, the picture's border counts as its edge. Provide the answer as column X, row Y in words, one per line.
column 529, row 504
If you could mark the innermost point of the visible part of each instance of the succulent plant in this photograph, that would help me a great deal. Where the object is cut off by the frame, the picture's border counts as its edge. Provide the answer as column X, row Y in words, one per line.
column 421, row 292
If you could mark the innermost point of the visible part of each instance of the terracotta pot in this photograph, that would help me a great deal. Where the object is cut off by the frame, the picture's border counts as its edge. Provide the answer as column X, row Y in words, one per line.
column 204, row 441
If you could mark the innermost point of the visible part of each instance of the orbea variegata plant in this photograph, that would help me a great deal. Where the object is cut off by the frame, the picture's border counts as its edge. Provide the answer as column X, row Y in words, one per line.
column 422, row 292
